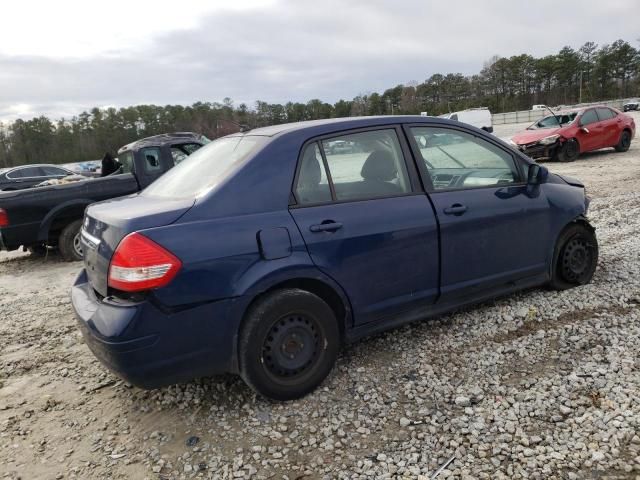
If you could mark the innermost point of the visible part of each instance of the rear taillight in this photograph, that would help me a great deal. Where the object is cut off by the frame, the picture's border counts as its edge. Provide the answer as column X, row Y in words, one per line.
column 139, row 264
column 4, row 218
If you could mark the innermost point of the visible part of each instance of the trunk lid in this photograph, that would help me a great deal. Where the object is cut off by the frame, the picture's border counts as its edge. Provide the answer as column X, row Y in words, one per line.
column 106, row 223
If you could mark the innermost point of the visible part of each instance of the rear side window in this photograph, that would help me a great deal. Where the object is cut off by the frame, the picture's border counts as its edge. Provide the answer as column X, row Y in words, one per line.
column 313, row 185
column 182, row 151
column 589, row 117
column 27, row 172
column 190, row 147
column 605, row 113
column 151, row 158
column 456, row 160
column 360, row 166
column 178, row 155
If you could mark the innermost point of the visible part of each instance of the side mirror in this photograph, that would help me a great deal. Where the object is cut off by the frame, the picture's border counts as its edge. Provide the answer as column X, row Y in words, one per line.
column 584, row 129
column 537, row 174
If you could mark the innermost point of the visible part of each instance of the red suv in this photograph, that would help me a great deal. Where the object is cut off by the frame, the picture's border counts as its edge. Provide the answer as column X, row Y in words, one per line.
column 565, row 135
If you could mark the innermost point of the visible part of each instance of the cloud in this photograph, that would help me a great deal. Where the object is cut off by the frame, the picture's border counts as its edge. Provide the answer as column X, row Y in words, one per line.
column 298, row 50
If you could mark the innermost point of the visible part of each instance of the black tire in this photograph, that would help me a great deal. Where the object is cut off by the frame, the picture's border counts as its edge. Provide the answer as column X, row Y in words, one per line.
column 625, row 141
column 288, row 344
column 69, row 242
column 38, row 250
column 569, row 151
column 575, row 257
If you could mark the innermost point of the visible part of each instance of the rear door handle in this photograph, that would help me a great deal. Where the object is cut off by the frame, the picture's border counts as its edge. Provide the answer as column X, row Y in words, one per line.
column 455, row 209
column 326, row 226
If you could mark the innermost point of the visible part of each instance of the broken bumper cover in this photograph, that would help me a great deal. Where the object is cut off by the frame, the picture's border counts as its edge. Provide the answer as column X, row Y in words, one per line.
column 538, row 151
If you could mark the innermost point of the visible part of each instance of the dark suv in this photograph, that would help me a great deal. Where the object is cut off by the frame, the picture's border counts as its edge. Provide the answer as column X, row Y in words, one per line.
column 26, row 176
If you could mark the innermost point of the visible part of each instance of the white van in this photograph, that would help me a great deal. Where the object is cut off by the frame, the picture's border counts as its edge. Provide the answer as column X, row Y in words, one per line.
column 538, row 107
column 478, row 117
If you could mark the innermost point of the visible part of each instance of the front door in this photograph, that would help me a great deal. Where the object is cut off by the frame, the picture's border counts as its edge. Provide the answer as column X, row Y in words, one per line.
column 493, row 233
column 592, row 137
column 365, row 226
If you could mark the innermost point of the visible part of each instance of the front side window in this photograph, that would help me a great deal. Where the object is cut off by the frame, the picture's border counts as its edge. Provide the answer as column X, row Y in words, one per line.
column 126, row 163
column 54, row 171
column 455, row 160
column 589, row 117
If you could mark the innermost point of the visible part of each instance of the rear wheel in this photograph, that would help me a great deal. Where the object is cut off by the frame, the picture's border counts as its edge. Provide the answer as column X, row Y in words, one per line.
column 69, row 242
column 575, row 257
column 288, row 344
column 624, row 143
column 569, row 151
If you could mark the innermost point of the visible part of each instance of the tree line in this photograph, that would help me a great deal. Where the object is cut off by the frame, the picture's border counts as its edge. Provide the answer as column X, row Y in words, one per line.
column 590, row 73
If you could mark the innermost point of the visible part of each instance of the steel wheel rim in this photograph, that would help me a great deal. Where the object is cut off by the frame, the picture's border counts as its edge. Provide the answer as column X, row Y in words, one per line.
column 77, row 245
column 292, row 347
column 577, row 259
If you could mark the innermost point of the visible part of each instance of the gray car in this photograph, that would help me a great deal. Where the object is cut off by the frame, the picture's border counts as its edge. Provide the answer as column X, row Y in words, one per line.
column 26, row 176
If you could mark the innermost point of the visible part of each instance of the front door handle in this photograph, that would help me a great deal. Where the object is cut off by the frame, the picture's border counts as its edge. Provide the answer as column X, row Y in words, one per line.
column 326, row 226
column 455, row 209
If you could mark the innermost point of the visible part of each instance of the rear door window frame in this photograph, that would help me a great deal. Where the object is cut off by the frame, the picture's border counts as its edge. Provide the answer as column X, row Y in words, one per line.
column 412, row 174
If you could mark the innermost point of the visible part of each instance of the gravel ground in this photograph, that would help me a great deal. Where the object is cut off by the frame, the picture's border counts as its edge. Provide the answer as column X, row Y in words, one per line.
column 540, row 385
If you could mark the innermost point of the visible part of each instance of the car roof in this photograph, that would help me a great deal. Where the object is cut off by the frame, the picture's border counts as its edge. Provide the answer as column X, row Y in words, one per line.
column 342, row 124
column 162, row 140
column 30, row 165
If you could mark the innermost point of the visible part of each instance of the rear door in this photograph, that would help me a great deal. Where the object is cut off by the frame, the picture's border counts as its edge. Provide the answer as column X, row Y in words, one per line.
column 492, row 232
column 611, row 126
column 365, row 222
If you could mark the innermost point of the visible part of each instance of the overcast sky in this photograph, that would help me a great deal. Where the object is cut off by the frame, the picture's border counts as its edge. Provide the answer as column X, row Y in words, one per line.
column 59, row 58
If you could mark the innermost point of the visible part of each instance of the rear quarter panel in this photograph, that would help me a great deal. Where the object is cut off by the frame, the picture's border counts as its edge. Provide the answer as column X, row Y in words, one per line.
column 221, row 258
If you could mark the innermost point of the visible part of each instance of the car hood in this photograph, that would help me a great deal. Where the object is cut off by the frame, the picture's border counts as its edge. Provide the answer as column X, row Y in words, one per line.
column 571, row 180
column 531, row 136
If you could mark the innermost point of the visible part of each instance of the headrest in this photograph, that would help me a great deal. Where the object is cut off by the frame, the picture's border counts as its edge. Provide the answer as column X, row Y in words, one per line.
column 379, row 165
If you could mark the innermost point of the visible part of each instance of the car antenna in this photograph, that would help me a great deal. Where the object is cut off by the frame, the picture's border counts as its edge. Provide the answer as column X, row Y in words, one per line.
column 554, row 115
column 242, row 126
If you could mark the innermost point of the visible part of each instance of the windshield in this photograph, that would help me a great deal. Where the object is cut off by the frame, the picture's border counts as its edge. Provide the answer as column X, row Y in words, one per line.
column 552, row 120
column 205, row 168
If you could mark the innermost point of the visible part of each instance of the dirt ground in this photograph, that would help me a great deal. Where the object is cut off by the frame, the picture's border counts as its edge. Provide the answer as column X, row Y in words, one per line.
column 62, row 415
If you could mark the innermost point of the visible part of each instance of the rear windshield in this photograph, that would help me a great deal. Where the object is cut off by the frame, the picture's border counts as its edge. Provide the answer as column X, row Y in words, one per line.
column 205, row 168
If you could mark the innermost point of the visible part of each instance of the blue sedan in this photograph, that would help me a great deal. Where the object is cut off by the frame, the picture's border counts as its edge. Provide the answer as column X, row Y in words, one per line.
column 265, row 251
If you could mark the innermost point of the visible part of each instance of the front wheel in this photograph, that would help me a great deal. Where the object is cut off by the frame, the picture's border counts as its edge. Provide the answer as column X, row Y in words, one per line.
column 624, row 143
column 569, row 151
column 575, row 257
column 288, row 344
column 69, row 242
